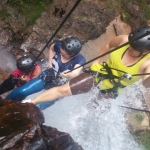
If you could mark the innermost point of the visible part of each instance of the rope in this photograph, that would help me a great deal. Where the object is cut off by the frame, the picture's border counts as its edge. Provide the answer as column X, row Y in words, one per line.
column 135, row 109
column 67, row 16
column 143, row 35
column 142, row 74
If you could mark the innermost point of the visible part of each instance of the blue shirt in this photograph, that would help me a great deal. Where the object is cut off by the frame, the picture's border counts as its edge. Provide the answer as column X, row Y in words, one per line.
column 59, row 66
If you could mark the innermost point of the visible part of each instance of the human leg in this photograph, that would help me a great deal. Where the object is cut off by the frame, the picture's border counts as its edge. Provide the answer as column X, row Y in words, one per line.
column 7, row 85
column 45, row 105
column 35, row 85
column 80, row 84
column 53, row 93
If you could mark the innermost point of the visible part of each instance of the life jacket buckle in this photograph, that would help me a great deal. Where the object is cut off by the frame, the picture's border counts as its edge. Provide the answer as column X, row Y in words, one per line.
column 127, row 76
column 96, row 74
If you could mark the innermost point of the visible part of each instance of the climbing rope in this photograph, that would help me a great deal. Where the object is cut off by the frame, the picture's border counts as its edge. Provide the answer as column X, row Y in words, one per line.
column 132, row 74
column 117, row 48
column 67, row 16
column 135, row 109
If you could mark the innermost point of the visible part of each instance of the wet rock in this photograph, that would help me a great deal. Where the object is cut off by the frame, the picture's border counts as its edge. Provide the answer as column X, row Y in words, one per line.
column 21, row 128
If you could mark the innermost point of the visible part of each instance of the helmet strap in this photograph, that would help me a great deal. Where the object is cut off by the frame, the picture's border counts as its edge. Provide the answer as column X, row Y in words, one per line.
column 144, row 53
column 141, row 54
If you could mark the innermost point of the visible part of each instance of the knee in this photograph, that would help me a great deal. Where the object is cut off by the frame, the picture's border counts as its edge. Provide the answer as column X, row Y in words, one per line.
column 64, row 90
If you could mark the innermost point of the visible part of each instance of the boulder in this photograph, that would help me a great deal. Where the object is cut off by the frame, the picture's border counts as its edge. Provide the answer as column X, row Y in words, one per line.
column 21, row 128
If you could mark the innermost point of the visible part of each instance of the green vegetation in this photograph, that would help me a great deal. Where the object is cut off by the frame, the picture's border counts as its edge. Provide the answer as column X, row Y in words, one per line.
column 144, row 139
column 146, row 10
column 139, row 117
column 4, row 14
column 30, row 9
column 84, row 18
column 121, row 6
column 126, row 16
column 110, row 5
column 115, row 5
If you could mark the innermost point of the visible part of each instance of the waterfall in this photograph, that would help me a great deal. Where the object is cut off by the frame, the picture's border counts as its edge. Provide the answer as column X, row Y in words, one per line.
column 99, row 125
column 7, row 60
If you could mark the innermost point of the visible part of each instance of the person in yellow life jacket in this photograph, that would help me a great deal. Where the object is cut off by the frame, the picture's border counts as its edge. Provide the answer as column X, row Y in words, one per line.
column 116, row 73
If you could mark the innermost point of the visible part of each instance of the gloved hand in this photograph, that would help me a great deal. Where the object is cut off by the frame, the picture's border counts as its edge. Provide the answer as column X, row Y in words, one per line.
column 18, row 81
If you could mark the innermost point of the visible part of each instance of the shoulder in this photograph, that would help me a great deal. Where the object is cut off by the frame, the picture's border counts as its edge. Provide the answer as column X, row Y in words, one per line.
column 56, row 46
column 118, row 40
column 17, row 71
column 145, row 65
column 123, row 37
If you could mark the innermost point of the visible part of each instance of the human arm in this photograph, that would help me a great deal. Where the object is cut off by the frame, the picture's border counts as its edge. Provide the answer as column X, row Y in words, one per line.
column 51, row 55
column 146, row 78
column 37, row 71
column 73, row 73
column 113, row 43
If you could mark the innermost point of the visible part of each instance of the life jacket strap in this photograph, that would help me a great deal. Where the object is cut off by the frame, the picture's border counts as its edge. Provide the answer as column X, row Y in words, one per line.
column 111, row 77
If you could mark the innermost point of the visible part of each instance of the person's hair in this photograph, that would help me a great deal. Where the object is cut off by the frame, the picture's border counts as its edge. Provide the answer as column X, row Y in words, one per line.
column 71, row 45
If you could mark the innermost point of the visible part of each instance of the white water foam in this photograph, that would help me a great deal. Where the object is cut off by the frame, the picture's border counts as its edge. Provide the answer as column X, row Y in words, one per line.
column 98, row 126
column 7, row 59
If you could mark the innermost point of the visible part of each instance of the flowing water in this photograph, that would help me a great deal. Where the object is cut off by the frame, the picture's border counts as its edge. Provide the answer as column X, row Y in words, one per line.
column 96, row 125
column 7, row 60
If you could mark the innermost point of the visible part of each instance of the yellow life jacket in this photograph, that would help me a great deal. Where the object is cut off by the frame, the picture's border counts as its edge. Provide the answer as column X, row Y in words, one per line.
column 115, row 61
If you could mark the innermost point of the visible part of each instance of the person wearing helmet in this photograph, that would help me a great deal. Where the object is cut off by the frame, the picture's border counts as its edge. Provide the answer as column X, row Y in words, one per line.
column 133, row 57
column 25, row 71
column 63, row 56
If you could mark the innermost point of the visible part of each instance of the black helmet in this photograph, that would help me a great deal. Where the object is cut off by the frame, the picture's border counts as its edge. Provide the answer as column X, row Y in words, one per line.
column 25, row 63
column 142, row 43
column 71, row 45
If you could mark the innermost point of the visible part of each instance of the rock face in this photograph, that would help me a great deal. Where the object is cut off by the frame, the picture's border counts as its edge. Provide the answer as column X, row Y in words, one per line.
column 21, row 128
column 82, row 23
column 87, row 22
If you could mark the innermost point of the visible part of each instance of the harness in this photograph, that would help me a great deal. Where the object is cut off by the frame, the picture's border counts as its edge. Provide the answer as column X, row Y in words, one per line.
column 50, row 79
column 115, row 80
